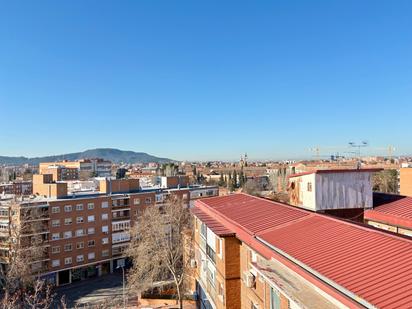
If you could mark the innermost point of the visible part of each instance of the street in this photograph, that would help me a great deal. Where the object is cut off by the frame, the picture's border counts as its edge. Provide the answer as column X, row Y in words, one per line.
column 92, row 291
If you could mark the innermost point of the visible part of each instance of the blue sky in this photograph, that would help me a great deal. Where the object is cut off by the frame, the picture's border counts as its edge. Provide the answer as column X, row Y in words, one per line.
column 205, row 79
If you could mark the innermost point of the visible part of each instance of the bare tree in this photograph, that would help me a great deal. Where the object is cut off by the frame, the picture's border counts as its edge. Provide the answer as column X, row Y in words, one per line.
column 25, row 247
column 160, row 249
column 385, row 181
column 251, row 187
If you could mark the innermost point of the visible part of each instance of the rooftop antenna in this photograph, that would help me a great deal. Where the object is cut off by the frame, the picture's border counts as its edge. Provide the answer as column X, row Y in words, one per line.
column 359, row 146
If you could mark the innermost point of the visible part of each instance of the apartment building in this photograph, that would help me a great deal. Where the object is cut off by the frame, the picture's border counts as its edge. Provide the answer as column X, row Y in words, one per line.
column 92, row 167
column 17, row 188
column 60, row 172
column 85, row 234
column 255, row 253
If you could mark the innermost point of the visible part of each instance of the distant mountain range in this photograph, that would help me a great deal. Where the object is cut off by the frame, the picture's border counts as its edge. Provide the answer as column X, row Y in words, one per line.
column 114, row 155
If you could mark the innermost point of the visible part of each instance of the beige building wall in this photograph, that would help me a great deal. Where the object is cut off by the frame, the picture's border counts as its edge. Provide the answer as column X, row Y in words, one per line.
column 405, row 181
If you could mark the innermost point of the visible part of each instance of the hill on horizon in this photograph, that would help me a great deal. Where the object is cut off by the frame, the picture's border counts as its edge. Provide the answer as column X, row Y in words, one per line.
column 111, row 154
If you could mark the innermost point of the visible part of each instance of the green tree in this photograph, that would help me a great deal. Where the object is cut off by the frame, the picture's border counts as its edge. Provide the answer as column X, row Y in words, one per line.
column 221, row 182
column 234, row 179
column 241, row 178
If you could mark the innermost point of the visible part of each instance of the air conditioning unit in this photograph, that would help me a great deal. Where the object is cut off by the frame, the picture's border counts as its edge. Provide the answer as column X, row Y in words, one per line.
column 249, row 279
column 193, row 263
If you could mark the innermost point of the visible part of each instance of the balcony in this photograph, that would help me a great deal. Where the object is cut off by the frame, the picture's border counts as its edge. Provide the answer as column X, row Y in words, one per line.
column 119, row 203
column 121, row 215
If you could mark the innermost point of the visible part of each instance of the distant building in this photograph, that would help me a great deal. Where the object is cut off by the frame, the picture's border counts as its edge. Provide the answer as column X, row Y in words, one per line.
column 60, row 172
column 91, row 167
column 172, row 181
column 17, row 188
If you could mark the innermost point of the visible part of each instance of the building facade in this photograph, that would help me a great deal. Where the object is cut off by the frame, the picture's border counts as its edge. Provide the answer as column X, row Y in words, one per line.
column 255, row 253
column 85, row 234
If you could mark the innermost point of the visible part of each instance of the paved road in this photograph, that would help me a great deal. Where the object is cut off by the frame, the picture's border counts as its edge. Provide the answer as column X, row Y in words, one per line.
column 92, row 291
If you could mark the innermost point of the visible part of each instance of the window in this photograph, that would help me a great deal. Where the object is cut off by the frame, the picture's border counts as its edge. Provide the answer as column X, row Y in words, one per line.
column 309, row 187
column 67, row 234
column 211, row 253
column 90, row 206
column 105, row 229
column 159, row 198
column 79, row 258
column 105, row 241
column 90, row 218
column 79, row 207
column 203, row 230
column 79, row 219
column 105, row 216
column 67, row 260
column 136, row 201
column 105, row 204
column 55, row 263
column 56, row 250
column 148, row 200
column 68, row 208
column 105, row 253
column 91, row 243
column 123, row 225
column 120, row 237
column 68, row 247
column 55, row 209
column 80, row 245
column 79, row 232
column 68, row 221
column 219, row 247
column 274, row 299
column 90, row 230
column 55, row 223
column 55, row 236
column 91, row 256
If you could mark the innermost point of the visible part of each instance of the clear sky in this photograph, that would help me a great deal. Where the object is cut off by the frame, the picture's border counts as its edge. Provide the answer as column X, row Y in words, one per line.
column 204, row 79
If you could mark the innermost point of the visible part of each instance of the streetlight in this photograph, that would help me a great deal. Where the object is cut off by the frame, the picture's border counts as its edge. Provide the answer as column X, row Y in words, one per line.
column 124, row 294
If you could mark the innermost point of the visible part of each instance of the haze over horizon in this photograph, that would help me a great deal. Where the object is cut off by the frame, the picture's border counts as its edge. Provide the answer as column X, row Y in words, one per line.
column 204, row 81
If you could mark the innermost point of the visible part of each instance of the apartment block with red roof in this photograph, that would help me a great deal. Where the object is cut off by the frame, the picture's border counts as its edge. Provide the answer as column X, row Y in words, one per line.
column 256, row 253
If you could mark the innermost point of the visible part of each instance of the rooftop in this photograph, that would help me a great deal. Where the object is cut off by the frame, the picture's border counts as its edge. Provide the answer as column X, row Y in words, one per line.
column 334, row 171
column 371, row 267
column 397, row 211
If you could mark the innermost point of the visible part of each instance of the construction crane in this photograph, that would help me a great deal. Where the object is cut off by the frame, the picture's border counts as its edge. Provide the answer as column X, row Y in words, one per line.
column 317, row 150
column 390, row 150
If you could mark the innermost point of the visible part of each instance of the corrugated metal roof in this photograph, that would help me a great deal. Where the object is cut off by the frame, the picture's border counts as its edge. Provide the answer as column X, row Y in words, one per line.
column 398, row 212
column 254, row 214
column 373, row 265
column 218, row 228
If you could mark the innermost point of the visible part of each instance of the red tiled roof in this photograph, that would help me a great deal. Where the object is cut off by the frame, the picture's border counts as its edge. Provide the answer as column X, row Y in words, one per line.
column 364, row 264
column 398, row 212
column 216, row 227
column 331, row 171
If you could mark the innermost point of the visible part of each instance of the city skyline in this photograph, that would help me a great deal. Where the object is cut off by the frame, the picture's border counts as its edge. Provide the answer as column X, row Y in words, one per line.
column 195, row 81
